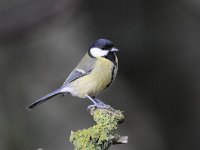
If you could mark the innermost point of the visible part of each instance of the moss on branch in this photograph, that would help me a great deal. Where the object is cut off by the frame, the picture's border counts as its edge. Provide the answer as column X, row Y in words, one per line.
column 102, row 135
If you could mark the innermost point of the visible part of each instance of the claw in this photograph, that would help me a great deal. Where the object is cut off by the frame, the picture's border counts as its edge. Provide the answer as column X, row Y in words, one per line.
column 102, row 106
column 97, row 103
column 90, row 107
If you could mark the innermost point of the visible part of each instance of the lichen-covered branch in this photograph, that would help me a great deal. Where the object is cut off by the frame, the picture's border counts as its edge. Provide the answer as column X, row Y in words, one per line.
column 102, row 135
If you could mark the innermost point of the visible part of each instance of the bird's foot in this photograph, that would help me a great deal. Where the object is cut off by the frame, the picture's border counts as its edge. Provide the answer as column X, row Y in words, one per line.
column 99, row 105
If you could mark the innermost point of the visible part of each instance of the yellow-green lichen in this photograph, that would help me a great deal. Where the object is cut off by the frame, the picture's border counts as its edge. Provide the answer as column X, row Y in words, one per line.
column 101, row 135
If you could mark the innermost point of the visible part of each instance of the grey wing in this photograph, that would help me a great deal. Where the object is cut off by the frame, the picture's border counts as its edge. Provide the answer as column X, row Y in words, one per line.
column 75, row 74
column 84, row 67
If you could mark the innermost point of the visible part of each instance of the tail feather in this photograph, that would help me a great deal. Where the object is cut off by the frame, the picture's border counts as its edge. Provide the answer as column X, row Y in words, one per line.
column 44, row 99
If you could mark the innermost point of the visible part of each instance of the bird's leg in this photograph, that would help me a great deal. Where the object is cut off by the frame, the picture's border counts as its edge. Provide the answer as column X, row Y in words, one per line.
column 93, row 100
column 98, row 103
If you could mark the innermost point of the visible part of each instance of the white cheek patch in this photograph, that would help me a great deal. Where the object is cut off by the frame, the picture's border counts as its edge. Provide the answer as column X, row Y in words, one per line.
column 97, row 52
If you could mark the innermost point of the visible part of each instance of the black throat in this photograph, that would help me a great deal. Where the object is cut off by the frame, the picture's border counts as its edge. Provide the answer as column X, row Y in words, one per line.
column 111, row 56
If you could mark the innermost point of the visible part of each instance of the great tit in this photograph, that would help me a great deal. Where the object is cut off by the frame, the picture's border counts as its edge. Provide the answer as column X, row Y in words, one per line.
column 94, row 73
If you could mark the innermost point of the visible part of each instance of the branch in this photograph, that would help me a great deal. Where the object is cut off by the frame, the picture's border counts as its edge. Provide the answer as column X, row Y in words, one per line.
column 102, row 135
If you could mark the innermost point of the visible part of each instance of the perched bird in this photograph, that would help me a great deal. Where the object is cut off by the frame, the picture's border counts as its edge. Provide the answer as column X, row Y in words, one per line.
column 94, row 73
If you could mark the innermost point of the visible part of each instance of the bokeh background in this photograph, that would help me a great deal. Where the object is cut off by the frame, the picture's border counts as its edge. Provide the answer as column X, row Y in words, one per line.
column 157, row 87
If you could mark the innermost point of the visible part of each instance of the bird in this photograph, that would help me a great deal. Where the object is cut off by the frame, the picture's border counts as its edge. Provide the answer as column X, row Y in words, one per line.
column 95, row 72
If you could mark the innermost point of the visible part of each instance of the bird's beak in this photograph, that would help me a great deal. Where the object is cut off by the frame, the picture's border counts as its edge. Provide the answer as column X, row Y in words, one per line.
column 114, row 49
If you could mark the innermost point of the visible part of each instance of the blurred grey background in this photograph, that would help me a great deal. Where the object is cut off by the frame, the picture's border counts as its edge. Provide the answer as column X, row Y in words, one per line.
column 157, row 87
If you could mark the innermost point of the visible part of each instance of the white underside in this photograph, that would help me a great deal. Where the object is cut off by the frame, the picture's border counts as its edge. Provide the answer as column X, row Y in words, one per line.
column 69, row 90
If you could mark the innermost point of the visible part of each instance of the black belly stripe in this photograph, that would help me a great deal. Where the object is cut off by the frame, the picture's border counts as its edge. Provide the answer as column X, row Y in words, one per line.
column 112, row 77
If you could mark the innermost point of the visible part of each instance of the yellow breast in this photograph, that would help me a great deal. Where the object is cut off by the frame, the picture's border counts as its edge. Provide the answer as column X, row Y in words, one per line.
column 95, row 82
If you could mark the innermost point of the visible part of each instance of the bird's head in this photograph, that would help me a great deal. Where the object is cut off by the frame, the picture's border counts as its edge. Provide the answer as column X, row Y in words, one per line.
column 102, row 48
